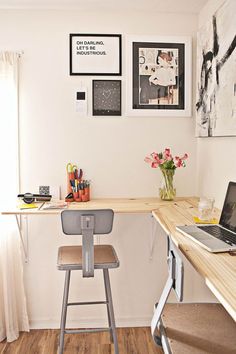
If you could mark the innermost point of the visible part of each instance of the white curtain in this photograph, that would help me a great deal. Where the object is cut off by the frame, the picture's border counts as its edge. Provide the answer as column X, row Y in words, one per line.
column 13, row 311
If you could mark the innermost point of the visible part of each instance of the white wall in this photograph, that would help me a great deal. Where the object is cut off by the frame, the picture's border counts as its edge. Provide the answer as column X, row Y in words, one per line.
column 215, row 156
column 110, row 150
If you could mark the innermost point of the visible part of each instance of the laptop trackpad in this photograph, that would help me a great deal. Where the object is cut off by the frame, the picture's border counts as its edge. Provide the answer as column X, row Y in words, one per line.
column 200, row 236
column 208, row 240
column 214, row 243
column 193, row 231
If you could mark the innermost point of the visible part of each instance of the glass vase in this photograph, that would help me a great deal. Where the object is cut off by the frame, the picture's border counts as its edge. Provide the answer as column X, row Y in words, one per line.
column 167, row 190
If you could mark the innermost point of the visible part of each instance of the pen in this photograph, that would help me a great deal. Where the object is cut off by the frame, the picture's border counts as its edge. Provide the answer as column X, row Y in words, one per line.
column 72, row 183
column 41, row 206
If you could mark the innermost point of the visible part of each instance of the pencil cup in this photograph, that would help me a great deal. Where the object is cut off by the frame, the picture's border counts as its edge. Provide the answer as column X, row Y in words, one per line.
column 78, row 200
column 81, row 193
column 87, row 192
column 76, row 195
column 85, row 198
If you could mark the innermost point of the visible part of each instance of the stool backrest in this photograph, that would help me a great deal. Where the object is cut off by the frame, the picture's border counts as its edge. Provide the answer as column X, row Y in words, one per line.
column 87, row 223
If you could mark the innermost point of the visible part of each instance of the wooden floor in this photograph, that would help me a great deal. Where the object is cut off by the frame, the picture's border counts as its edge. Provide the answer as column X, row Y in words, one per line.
column 131, row 341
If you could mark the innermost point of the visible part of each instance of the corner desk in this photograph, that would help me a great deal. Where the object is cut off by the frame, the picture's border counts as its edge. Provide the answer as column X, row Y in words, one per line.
column 218, row 270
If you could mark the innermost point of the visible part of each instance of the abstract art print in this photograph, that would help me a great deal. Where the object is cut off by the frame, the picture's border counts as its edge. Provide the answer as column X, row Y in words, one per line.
column 216, row 74
column 159, row 76
column 106, row 97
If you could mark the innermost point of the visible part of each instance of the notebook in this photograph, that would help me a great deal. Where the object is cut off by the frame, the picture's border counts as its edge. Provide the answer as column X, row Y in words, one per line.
column 220, row 237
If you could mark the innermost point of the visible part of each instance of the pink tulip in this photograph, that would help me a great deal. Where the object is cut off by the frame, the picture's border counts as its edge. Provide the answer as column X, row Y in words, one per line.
column 166, row 155
column 154, row 155
column 178, row 162
column 148, row 159
column 154, row 164
column 167, row 151
column 184, row 157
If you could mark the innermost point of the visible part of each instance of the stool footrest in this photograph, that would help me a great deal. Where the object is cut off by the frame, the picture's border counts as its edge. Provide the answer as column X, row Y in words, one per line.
column 87, row 330
column 87, row 303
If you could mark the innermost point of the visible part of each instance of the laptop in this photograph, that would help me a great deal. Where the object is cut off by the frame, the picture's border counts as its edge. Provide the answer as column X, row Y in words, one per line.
column 220, row 237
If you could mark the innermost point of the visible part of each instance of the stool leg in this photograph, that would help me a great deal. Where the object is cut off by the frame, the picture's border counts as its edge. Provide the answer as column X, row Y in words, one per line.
column 110, row 308
column 64, row 311
column 108, row 312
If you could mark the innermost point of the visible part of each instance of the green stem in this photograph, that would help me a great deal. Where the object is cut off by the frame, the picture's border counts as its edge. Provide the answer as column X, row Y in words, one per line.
column 167, row 192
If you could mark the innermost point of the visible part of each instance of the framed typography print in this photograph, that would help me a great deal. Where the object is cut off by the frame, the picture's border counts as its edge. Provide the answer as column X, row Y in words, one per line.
column 106, row 97
column 159, row 76
column 95, row 54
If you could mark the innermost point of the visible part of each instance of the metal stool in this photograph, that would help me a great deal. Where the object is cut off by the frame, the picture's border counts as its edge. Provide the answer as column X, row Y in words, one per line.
column 87, row 258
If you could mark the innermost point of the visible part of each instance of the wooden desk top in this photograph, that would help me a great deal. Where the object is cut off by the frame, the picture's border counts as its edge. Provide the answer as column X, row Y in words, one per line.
column 119, row 205
column 218, row 270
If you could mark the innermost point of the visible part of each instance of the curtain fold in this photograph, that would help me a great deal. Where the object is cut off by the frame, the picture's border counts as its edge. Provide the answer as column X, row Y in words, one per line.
column 13, row 310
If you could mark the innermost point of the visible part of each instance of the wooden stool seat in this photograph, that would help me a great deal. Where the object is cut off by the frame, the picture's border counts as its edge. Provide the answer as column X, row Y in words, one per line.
column 70, row 257
column 198, row 329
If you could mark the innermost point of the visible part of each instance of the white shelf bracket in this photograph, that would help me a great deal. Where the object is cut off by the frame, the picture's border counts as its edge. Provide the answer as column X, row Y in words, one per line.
column 23, row 242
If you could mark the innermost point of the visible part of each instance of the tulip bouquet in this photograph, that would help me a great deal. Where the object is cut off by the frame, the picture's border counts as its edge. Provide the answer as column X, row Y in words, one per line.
column 167, row 164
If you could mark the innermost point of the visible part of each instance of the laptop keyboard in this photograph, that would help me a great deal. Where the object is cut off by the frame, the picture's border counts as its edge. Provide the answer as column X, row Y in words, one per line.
column 219, row 233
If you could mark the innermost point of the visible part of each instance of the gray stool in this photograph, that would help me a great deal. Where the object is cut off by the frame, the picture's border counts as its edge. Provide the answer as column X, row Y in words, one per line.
column 87, row 258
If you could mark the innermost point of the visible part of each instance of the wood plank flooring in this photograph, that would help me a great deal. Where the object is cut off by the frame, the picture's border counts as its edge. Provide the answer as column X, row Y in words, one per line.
column 131, row 341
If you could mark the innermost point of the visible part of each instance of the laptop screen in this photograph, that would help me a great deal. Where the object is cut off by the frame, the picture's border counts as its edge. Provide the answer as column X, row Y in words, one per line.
column 228, row 215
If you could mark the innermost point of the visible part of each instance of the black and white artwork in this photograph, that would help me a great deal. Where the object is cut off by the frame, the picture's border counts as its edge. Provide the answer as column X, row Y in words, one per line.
column 158, row 79
column 216, row 74
column 107, row 97
column 159, row 76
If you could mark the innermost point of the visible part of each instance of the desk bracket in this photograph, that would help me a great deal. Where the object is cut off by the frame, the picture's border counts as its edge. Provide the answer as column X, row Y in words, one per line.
column 23, row 243
column 174, row 281
column 152, row 237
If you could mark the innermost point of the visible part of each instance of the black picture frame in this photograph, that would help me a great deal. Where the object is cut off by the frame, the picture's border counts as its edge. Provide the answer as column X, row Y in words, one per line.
column 143, row 90
column 106, row 97
column 91, row 51
column 159, row 80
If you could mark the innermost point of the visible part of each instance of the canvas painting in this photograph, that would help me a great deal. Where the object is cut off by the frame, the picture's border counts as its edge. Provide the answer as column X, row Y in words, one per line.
column 216, row 74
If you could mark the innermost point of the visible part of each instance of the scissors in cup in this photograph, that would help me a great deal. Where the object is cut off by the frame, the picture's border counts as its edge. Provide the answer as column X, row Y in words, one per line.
column 71, row 170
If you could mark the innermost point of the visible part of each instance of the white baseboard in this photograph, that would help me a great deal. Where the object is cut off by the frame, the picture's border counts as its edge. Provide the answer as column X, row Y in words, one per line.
column 89, row 323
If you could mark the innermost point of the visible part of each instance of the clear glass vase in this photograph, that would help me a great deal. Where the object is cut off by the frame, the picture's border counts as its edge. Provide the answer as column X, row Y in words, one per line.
column 167, row 190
